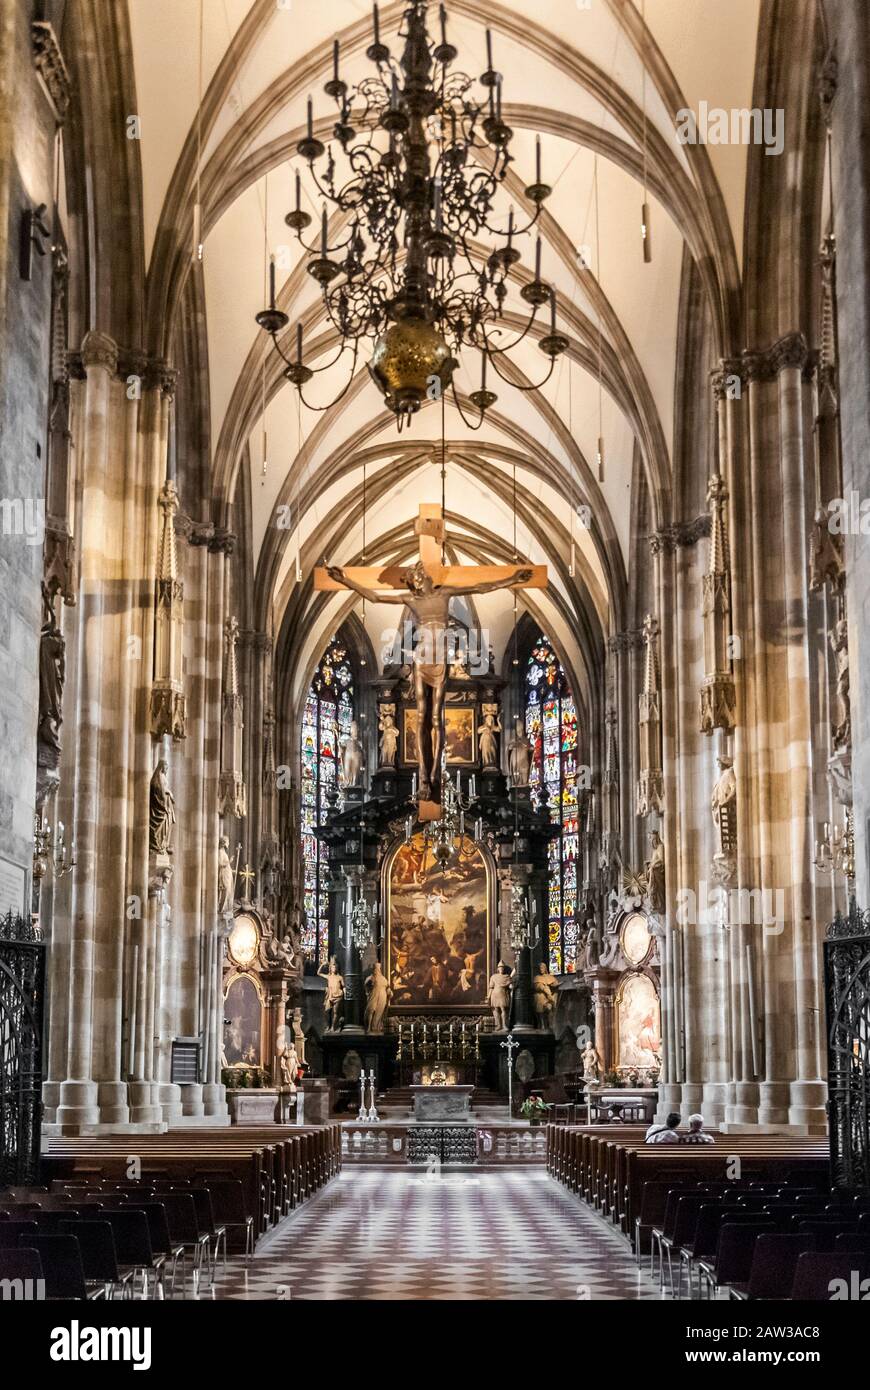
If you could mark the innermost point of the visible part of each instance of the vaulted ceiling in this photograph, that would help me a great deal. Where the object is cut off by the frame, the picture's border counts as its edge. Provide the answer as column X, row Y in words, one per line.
column 582, row 75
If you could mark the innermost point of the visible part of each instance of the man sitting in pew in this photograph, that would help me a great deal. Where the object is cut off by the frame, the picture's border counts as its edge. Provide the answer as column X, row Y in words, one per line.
column 664, row 1134
column 697, row 1134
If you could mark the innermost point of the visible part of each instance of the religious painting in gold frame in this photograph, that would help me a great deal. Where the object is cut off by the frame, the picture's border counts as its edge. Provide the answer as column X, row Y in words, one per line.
column 438, row 945
column 244, row 1014
column 460, row 732
column 638, row 1021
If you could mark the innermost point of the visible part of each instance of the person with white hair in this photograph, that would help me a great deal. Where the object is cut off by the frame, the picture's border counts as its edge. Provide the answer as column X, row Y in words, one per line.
column 697, row 1134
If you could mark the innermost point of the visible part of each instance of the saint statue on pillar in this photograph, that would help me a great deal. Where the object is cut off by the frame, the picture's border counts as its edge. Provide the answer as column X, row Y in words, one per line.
column 161, row 821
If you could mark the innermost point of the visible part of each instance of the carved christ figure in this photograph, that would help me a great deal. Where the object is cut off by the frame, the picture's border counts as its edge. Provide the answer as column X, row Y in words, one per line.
column 429, row 604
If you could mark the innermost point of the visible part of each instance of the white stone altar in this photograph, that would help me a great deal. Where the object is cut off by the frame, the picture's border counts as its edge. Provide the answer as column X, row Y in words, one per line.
column 447, row 1104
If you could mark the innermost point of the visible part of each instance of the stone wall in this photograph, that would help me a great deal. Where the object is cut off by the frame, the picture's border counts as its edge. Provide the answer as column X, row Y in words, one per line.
column 27, row 126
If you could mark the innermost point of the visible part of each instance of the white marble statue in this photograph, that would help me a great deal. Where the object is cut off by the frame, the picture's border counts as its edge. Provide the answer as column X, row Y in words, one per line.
column 389, row 743
column 519, row 755
column 499, row 997
column 378, row 990
column 226, row 878
column 352, row 758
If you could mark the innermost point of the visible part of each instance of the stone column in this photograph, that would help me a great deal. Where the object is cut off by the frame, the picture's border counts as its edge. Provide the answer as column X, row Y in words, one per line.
column 78, row 1098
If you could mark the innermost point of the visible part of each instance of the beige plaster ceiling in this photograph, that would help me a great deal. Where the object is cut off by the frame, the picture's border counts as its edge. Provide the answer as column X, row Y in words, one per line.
column 572, row 70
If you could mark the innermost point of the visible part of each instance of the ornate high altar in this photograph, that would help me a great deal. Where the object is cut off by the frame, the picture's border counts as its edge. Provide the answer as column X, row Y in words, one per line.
column 434, row 903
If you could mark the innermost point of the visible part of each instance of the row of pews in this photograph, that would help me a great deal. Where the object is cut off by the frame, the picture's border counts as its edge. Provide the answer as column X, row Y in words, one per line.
column 639, row 1187
column 278, row 1167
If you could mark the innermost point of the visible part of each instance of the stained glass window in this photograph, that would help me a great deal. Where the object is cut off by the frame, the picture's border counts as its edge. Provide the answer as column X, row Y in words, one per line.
column 551, row 724
column 329, row 709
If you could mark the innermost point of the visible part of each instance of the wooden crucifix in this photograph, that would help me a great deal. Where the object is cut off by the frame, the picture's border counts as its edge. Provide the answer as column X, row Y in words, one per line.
column 427, row 588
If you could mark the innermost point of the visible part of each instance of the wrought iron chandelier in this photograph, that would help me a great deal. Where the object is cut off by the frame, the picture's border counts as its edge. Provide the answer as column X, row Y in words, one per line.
column 413, row 172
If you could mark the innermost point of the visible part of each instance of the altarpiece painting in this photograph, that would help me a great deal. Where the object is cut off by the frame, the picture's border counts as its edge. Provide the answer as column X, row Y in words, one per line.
column 438, row 927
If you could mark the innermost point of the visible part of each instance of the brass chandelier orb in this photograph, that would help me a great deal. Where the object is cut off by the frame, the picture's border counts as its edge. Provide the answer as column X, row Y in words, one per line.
column 412, row 174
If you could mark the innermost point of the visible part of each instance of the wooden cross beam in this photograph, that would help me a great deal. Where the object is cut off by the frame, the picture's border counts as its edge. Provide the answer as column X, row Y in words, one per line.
column 430, row 531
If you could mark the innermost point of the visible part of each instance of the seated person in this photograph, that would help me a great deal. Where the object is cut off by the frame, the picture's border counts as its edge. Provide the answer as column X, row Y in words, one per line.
column 664, row 1134
column 697, row 1133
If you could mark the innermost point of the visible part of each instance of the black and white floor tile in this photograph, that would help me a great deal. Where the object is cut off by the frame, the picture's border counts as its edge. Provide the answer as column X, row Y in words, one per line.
column 388, row 1234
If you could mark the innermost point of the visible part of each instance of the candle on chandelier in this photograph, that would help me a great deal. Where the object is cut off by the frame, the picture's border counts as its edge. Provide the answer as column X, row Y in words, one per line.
column 299, row 341
column 272, row 281
column 394, row 93
column 443, row 17
column 537, row 159
column 472, row 786
column 552, row 311
column 413, row 784
column 482, row 370
column 478, row 829
column 489, row 50
column 377, row 23
column 335, row 60
column 437, row 192
column 498, row 99
column 538, row 260
column 298, row 192
column 310, row 119
column 510, row 228
column 323, row 239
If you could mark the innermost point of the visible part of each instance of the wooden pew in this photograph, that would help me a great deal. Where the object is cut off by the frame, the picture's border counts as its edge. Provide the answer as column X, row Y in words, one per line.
column 278, row 1167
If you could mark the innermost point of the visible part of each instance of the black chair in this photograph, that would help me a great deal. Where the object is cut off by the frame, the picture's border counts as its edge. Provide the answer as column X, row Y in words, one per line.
column 99, row 1256
column 774, row 1261
column 704, row 1243
column 184, row 1230
column 821, row 1276
column 62, row 1267
column 734, row 1252
column 228, row 1204
column 11, row 1231
column 826, row 1232
column 20, row 1272
column 853, row 1241
column 686, row 1221
column 206, row 1222
column 133, row 1245
column 49, row 1223
column 161, row 1241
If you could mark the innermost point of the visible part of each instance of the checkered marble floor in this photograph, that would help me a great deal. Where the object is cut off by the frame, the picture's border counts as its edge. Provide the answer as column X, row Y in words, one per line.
column 399, row 1234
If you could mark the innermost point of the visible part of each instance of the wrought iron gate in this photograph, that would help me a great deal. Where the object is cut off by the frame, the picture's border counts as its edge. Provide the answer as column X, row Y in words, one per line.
column 847, row 995
column 22, row 995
